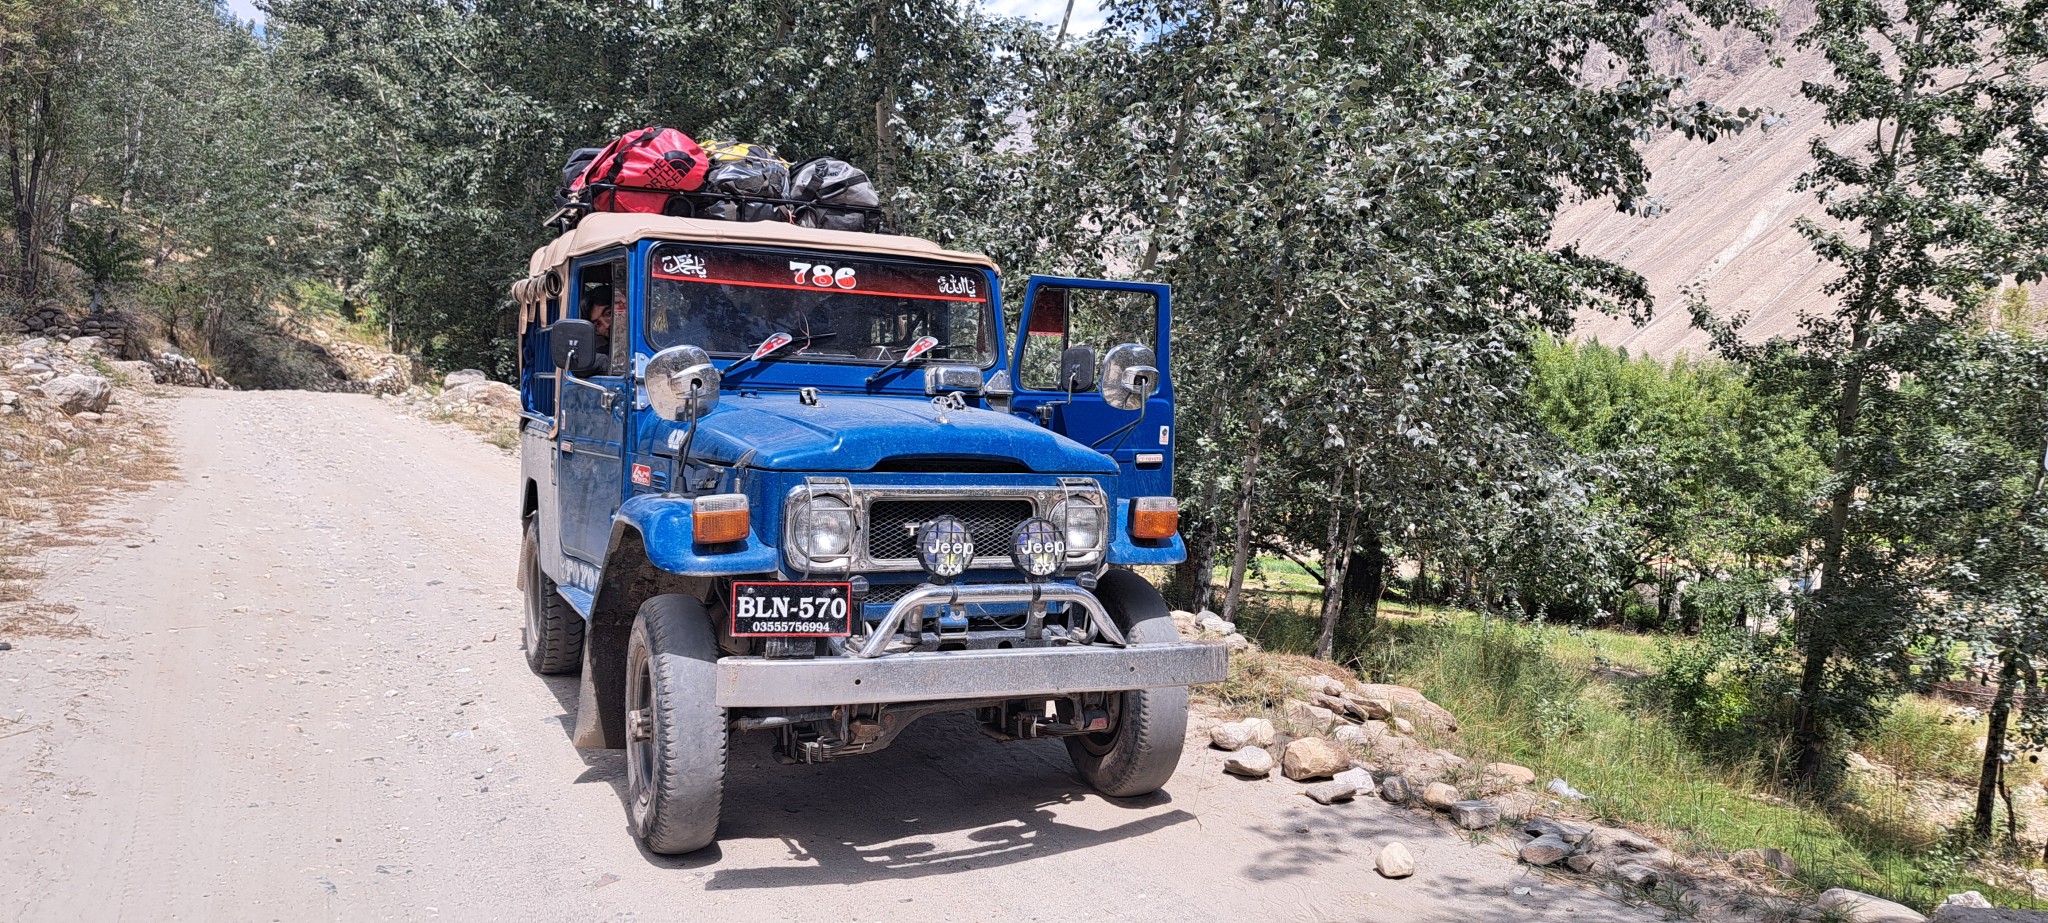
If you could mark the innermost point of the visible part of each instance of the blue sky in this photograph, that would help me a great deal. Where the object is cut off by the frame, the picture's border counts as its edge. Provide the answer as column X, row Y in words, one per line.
column 1086, row 17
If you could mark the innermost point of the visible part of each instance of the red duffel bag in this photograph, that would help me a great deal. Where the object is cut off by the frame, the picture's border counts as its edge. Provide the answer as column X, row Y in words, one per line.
column 652, row 158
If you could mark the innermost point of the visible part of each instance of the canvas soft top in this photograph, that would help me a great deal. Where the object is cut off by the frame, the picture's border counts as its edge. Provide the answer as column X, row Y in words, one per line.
column 606, row 229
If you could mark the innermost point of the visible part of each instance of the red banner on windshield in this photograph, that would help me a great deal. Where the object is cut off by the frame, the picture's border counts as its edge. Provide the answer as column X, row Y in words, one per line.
column 824, row 273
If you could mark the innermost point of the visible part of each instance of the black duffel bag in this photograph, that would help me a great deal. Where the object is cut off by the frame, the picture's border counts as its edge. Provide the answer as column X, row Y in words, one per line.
column 835, row 195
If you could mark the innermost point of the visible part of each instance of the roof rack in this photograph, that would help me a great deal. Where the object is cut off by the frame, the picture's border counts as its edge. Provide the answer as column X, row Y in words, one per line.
column 701, row 204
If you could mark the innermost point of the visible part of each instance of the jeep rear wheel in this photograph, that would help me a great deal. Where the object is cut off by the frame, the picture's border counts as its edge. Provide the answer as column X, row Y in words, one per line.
column 1139, row 752
column 554, row 632
column 675, row 731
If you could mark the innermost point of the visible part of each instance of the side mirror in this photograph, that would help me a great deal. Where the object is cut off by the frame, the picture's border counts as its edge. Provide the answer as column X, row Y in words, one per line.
column 1129, row 376
column 681, row 382
column 573, row 343
column 1077, row 369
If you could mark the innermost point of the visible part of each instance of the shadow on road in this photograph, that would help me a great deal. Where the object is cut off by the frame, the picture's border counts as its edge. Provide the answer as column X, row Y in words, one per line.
column 884, row 815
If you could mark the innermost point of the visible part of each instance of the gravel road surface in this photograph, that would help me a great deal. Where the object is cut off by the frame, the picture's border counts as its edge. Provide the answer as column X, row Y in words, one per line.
column 305, row 701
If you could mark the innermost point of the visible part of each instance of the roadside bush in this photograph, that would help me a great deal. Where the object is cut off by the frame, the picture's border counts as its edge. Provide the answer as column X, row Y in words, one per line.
column 1725, row 692
column 1743, row 599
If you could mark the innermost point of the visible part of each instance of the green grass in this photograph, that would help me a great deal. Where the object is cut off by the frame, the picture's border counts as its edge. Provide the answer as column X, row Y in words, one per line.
column 1554, row 699
column 1926, row 740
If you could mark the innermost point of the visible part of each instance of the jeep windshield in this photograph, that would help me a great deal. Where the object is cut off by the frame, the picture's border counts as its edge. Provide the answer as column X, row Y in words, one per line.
column 838, row 307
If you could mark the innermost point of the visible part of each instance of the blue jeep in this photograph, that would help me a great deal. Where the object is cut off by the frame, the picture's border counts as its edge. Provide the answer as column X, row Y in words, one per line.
column 799, row 481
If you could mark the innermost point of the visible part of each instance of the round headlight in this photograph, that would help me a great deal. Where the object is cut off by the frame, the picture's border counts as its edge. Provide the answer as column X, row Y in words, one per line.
column 1081, row 521
column 1038, row 548
column 944, row 546
column 824, row 528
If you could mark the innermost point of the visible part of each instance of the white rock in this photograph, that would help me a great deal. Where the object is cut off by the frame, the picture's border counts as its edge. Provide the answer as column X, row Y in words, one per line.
column 1263, row 732
column 1352, row 735
column 1510, row 773
column 1250, row 762
column 1309, row 758
column 1858, row 907
column 464, row 377
column 1359, row 780
column 1971, row 899
column 78, row 393
column 1233, row 736
column 1395, row 861
column 1331, row 792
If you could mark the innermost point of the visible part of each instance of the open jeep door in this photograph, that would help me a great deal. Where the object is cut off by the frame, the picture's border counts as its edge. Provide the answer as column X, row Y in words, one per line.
column 1083, row 346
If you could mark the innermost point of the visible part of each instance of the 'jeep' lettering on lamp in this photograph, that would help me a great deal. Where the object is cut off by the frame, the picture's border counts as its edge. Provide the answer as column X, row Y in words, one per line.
column 944, row 547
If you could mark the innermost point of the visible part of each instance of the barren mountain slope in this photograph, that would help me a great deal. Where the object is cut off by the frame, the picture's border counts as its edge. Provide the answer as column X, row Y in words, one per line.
column 1729, row 205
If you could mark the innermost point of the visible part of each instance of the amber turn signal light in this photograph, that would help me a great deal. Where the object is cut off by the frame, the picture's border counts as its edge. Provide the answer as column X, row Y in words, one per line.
column 1155, row 517
column 720, row 518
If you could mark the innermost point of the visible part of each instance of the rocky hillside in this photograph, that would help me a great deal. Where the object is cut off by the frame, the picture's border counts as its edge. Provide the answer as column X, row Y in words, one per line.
column 1729, row 206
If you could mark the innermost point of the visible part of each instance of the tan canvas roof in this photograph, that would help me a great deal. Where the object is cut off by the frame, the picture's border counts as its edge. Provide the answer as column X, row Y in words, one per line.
column 605, row 229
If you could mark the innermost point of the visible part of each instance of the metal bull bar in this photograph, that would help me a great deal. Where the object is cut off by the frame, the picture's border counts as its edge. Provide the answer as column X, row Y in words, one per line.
column 1034, row 593
column 864, row 676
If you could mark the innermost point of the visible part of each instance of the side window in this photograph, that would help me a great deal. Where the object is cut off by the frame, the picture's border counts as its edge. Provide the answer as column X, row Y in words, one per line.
column 601, row 293
column 1062, row 318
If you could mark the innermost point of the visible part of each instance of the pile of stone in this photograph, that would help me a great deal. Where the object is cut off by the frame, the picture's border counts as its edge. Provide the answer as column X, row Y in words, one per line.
column 55, row 393
column 170, row 368
column 1208, row 626
column 367, row 369
column 470, row 391
column 467, row 396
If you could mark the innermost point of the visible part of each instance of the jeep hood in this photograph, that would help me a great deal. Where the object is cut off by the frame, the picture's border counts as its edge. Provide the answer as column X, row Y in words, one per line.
column 847, row 432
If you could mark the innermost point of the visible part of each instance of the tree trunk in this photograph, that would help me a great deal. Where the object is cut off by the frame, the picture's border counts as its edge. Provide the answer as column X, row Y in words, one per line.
column 885, row 114
column 1365, row 581
column 1994, row 749
column 1333, row 575
column 1189, row 588
column 1809, row 738
column 29, row 153
column 1241, row 548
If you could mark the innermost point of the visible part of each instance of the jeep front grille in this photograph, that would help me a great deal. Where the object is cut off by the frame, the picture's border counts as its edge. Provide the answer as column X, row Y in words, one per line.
column 892, row 524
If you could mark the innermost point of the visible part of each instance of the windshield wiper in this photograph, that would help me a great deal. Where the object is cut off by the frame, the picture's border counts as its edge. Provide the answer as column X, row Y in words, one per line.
column 916, row 350
column 775, row 343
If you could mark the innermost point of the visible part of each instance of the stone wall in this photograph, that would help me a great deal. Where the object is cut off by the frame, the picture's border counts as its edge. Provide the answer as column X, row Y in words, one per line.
column 115, row 329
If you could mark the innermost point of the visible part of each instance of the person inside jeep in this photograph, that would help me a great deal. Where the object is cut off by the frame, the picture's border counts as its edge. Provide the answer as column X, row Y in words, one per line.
column 601, row 305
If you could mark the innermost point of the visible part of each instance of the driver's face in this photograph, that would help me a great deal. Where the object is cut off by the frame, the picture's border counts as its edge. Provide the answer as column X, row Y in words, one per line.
column 604, row 314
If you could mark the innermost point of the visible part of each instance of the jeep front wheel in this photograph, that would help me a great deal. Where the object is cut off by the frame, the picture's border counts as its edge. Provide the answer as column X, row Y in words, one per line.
column 675, row 731
column 554, row 632
column 1142, row 747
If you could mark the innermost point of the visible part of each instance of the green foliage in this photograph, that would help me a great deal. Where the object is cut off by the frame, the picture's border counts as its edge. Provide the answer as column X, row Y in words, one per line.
column 1723, row 692
column 1698, row 476
column 1940, row 197
column 104, row 252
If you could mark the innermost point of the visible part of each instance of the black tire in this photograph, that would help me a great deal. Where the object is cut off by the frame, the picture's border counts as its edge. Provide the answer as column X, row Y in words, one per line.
column 1139, row 752
column 553, row 635
column 675, row 731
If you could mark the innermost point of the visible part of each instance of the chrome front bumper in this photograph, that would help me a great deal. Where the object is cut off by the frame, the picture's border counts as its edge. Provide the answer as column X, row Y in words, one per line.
column 757, row 682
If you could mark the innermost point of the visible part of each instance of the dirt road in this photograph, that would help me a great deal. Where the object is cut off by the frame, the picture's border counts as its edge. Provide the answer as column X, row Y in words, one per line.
column 305, row 701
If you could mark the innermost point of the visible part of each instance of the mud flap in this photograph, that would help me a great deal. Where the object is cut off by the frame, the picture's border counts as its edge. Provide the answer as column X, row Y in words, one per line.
column 601, row 692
